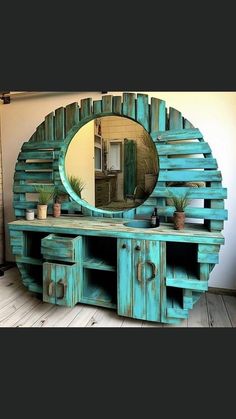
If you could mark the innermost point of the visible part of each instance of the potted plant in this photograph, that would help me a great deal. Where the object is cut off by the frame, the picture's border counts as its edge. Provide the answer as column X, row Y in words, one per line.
column 57, row 202
column 180, row 203
column 46, row 193
column 77, row 184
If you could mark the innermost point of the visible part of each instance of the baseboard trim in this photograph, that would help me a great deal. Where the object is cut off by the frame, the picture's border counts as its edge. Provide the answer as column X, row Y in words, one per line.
column 223, row 291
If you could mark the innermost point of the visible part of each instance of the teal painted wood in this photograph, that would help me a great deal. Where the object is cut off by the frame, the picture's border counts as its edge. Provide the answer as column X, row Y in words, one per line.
column 36, row 155
column 158, row 115
column 187, row 299
column 129, row 105
column 98, row 264
column 33, row 146
column 208, row 248
column 208, row 258
column 59, row 124
column 86, row 108
column 193, row 193
column 175, row 119
column 190, row 212
column 187, row 163
column 189, row 175
column 152, row 279
column 125, row 277
column 49, row 127
column 40, row 132
column 117, row 105
column 62, row 248
column 139, row 283
column 37, row 166
column 204, row 271
column 176, row 135
column 97, row 107
column 143, row 116
column 177, row 313
column 107, row 104
column 182, row 148
column 190, row 284
column 60, row 284
column 72, row 116
column 187, row 124
column 32, row 176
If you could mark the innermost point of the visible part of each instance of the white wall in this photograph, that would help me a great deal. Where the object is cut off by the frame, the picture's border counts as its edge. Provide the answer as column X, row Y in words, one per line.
column 214, row 113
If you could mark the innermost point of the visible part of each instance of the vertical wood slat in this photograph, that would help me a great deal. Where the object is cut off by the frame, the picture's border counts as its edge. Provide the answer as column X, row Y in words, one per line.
column 175, row 119
column 86, row 108
column 143, row 110
column 158, row 115
column 72, row 116
column 60, row 124
column 40, row 132
column 107, row 103
column 187, row 124
column 216, row 225
column 49, row 127
column 129, row 104
column 97, row 106
column 117, row 106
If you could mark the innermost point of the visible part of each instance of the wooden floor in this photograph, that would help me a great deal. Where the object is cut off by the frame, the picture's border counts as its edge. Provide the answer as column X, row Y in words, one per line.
column 20, row 308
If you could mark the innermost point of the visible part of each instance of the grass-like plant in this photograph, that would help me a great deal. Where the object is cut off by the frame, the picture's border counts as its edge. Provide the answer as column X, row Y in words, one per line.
column 77, row 184
column 46, row 193
column 179, row 202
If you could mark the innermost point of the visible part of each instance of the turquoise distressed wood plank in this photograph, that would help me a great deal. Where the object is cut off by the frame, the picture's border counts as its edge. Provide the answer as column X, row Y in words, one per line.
column 65, row 285
column 163, row 298
column 107, row 104
column 117, row 105
column 72, row 116
column 49, row 127
column 28, row 260
column 60, row 124
column 208, row 257
column 33, row 138
column 143, row 116
column 175, row 119
column 43, row 145
column 182, row 148
column 124, row 277
column 187, row 124
column 158, row 115
column 97, row 106
column 40, row 132
column 208, row 248
column 177, row 313
column 39, row 166
column 189, row 175
column 201, row 213
column 187, row 299
column 176, row 135
column 152, row 278
column 34, row 176
column 36, row 155
column 204, row 272
column 129, row 105
column 33, row 287
column 86, row 108
column 193, row 193
column 49, row 277
column 98, row 264
column 190, row 284
column 139, row 283
column 187, row 163
column 215, row 204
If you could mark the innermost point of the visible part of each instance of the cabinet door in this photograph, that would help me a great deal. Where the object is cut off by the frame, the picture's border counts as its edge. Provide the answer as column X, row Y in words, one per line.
column 60, row 284
column 139, row 279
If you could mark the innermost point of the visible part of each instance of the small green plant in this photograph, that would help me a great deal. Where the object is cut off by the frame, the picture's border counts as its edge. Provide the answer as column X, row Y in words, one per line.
column 57, row 195
column 77, row 184
column 46, row 193
column 179, row 202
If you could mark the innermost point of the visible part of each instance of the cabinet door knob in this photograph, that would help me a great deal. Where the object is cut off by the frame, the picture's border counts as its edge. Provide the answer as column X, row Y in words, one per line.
column 123, row 246
column 137, row 248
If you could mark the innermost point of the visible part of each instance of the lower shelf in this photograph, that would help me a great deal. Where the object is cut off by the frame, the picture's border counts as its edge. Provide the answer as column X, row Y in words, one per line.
column 99, row 288
column 98, row 264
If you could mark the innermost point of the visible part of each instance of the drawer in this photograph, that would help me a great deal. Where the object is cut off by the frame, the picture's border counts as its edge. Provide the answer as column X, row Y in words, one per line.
column 62, row 248
column 60, row 284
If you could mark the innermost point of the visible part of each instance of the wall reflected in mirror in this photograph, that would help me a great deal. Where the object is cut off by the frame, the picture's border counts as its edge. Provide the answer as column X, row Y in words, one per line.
column 112, row 163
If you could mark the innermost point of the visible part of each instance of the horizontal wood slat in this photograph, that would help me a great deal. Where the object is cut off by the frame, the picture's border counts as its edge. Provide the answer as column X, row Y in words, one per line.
column 189, row 175
column 183, row 148
column 190, row 284
column 42, row 146
column 193, row 193
column 190, row 212
column 172, row 135
column 36, row 155
column 33, row 176
column 187, row 163
column 34, row 166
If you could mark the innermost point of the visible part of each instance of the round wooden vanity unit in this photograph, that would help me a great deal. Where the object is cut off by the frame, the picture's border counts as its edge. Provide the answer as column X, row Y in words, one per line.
column 100, row 257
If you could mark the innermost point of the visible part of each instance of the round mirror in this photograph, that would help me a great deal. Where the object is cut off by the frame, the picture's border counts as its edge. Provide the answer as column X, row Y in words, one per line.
column 112, row 163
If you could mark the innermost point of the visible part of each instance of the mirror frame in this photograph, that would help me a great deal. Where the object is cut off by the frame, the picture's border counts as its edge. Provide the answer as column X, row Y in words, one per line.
column 69, row 137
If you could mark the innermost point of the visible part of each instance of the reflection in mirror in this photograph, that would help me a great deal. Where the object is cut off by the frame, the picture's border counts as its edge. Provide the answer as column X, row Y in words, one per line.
column 115, row 160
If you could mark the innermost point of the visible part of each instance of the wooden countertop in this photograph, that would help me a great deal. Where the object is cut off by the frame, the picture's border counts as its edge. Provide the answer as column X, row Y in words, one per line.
column 114, row 227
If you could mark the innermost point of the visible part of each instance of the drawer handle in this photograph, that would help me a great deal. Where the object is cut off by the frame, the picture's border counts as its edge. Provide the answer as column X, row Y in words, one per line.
column 64, row 285
column 50, row 288
column 139, row 271
column 154, row 270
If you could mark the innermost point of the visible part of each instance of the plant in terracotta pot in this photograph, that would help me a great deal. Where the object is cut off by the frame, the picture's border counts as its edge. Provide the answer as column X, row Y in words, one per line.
column 180, row 203
column 57, row 197
column 46, row 193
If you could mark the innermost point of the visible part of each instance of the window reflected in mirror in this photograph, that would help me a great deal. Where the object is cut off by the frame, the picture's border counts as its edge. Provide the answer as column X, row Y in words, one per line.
column 115, row 162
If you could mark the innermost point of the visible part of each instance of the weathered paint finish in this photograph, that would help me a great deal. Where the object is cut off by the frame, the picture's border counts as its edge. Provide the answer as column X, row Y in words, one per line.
column 145, row 299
